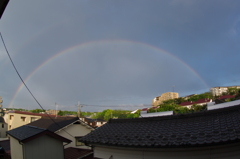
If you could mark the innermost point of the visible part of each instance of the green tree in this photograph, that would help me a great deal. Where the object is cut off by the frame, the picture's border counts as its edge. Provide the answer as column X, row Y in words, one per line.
column 181, row 110
column 232, row 91
column 60, row 113
column 197, row 108
column 37, row 111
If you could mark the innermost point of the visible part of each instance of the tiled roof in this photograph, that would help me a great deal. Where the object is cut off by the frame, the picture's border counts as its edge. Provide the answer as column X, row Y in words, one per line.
column 145, row 109
column 75, row 153
column 26, row 133
column 200, row 101
column 29, row 113
column 226, row 97
column 47, row 123
column 213, row 127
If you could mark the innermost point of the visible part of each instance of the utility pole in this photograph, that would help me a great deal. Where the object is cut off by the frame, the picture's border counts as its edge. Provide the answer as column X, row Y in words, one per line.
column 79, row 109
column 56, row 109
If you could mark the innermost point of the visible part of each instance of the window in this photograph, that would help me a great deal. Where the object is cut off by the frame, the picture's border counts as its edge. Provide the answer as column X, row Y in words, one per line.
column 23, row 118
column 2, row 125
column 77, row 141
column 11, row 117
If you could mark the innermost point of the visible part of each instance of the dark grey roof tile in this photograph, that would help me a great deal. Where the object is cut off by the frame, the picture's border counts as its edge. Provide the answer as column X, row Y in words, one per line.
column 24, row 132
column 211, row 127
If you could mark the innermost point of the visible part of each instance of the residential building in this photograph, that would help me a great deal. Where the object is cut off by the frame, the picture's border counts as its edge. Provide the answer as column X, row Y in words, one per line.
column 95, row 123
column 3, row 128
column 165, row 96
column 207, row 134
column 52, row 112
column 28, row 142
column 70, row 128
column 218, row 91
column 188, row 104
column 16, row 119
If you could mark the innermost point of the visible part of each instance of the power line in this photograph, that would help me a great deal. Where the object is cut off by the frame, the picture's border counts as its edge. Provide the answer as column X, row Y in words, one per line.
column 123, row 105
column 25, row 83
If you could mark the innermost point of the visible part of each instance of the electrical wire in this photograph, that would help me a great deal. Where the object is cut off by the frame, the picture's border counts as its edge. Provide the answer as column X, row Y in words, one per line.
column 27, row 86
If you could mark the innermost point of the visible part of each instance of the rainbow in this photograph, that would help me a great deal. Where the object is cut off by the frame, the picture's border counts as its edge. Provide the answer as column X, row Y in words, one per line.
column 90, row 43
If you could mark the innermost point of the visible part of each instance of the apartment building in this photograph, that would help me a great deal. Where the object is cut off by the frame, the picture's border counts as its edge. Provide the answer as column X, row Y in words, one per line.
column 217, row 91
column 165, row 96
column 16, row 119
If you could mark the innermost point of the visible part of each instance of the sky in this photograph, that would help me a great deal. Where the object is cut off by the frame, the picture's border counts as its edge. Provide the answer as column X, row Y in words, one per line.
column 116, row 54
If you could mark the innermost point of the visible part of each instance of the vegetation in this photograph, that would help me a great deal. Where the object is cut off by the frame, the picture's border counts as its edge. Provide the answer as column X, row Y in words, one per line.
column 36, row 111
column 65, row 113
column 168, row 105
column 115, row 114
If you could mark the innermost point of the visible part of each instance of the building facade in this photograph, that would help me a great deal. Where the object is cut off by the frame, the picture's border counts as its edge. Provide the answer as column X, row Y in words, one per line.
column 165, row 96
column 16, row 119
column 218, row 91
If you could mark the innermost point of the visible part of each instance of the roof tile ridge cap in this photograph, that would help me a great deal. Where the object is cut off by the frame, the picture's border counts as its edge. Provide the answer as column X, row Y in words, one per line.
column 35, row 127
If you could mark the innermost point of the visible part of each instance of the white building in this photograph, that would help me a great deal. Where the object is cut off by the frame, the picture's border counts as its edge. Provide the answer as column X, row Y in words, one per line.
column 217, row 91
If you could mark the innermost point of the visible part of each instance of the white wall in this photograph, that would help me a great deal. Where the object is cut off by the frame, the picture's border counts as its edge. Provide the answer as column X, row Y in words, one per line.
column 76, row 130
column 16, row 149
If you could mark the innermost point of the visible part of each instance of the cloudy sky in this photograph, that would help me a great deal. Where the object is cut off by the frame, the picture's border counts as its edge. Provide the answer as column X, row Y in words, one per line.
column 116, row 54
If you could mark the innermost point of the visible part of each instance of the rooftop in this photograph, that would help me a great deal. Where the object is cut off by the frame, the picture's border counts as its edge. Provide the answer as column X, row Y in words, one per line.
column 54, row 125
column 74, row 153
column 29, row 113
column 214, row 127
column 26, row 133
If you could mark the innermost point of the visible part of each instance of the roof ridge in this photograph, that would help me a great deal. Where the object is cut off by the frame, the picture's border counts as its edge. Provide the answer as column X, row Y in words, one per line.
column 35, row 127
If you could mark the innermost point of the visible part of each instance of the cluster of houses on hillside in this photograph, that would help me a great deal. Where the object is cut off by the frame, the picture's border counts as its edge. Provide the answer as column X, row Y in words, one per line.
column 210, row 134
column 214, row 133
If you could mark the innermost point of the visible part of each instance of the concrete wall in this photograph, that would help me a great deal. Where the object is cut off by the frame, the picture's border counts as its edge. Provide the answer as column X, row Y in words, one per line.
column 219, row 152
column 76, row 130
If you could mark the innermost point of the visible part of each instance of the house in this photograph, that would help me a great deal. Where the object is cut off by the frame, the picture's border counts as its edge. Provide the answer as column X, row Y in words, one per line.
column 217, row 91
column 95, row 123
column 165, row 96
column 70, row 128
column 188, row 104
column 3, row 128
column 208, row 134
column 28, row 142
column 223, row 98
column 16, row 119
